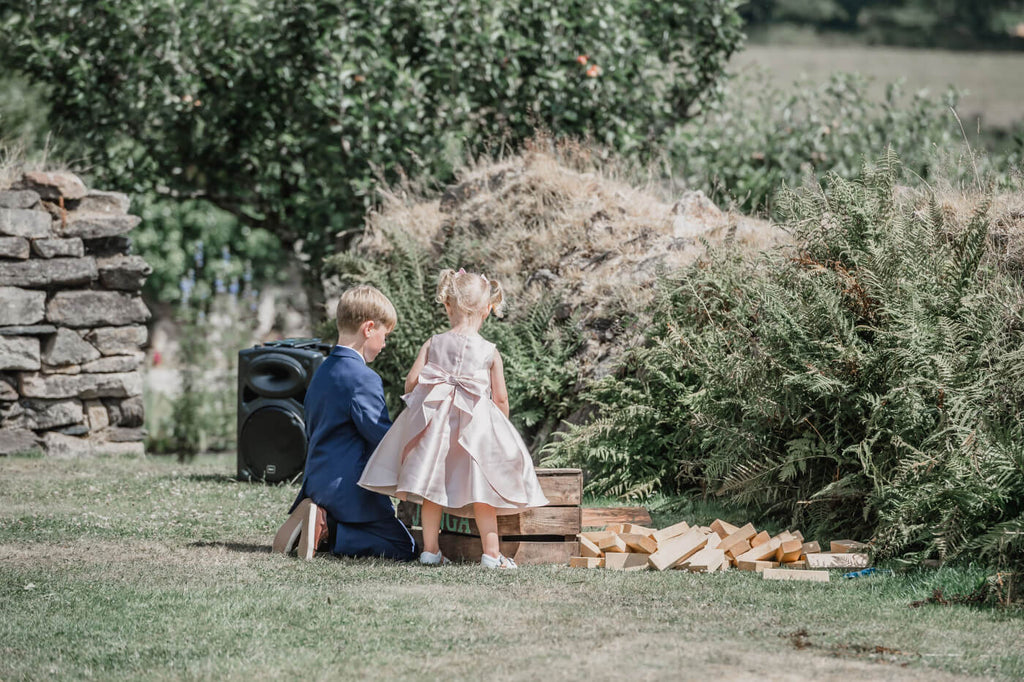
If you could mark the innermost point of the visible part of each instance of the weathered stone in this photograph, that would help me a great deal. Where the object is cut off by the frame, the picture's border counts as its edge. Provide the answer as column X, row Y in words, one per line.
column 53, row 186
column 91, row 308
column 12, row 415
column 67, row 348
column 29, row 330
column 61, row 369
column 128, row 412
column 81, row 386
column 18, row 198
column 21, row 307
column 130, row 449
column 49, row 414
column 60, row 446
column 115, row 363
column 21, row 222
column 117, row 434
column 96, row 415
column 98, row 225
column 118, row 340
column 7, row 390
column 14, row 247
column 57, row 248
column 74, row 430
column 17, row 441
column 123, row 272
column 108, row 246
column 47, row 273
column 19, row 353
column 104, row 202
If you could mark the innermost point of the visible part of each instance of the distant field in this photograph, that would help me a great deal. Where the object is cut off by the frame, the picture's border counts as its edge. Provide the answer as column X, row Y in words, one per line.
column 994, row 81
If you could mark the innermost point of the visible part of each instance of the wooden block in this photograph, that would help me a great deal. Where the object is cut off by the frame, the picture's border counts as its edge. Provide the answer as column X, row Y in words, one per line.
column 760, row 539
column 737, row 550
column 562, row 487
column 714, row 540
column 637, row 529
column 845, row 560
column 785, row 536
column 536, row 521
column 789, row 550
column 734, row 540
column 585, row 562
column 630, row 561
column 595, row 517
column 613, row 544
column 723, row 528
column 639, row 543
column 706, row 560
column 589, row 549
column 795, row 564
column 673, row 531
column 614, row 528
column 847, row 546
column 596, row 536
column 812, row 548
column 677, row 549
column 764, row 552
column 755, row 565
column 790, row 574
column 798, row 535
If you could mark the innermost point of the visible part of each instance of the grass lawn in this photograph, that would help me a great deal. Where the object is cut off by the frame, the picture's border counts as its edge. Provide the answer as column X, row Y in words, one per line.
column 146, row 568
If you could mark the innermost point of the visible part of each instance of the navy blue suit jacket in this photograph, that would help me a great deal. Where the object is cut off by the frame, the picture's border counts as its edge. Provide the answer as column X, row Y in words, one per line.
column 345, row 420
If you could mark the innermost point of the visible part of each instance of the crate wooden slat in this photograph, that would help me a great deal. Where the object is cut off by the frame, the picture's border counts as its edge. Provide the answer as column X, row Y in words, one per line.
column 562, row 487
column 602, row 516
column 537, row 521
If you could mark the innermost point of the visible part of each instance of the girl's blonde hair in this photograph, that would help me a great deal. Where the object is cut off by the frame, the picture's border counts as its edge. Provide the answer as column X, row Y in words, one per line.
column 470, row 292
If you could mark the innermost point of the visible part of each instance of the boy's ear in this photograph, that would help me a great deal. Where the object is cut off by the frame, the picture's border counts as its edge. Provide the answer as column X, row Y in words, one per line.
column 366, row 327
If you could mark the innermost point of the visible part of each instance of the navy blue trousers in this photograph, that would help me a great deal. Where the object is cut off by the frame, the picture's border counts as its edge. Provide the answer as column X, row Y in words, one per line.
column 387, row 538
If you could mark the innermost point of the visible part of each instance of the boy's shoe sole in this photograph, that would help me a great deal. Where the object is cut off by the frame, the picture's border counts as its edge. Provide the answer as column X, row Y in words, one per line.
column 309, row 538
column 288, row 535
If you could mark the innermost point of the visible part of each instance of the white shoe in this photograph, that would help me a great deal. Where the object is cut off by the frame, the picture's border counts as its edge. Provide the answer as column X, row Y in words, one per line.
column 502, row 561
column 429, row 559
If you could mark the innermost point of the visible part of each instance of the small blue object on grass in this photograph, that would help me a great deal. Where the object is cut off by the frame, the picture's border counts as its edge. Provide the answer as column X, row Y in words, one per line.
column 867, row 571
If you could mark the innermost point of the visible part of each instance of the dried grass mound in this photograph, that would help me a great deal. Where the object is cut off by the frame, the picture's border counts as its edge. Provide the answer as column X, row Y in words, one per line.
column 555, row 219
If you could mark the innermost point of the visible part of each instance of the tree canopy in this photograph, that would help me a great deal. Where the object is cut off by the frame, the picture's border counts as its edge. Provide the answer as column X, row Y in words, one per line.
column 285, row 113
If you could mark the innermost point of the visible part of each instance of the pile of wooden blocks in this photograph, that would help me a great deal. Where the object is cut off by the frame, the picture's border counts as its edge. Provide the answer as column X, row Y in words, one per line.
column 706, row 549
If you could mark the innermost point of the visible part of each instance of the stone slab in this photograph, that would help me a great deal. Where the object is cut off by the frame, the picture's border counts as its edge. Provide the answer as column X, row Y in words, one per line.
column 55, row 272
column 19, row 353
column 21, row 306
column 95, row 308
column 128, row 412
column 22, row 222
column 18, row 441
column 126, row 273
column 96, row 414
column 7, row 390
column 19, row 198
column 120, row 434
column 53, row 186
column 59, row 248
column 114, row 363
column 14, row 247
column 88, row 225
column 50, row 414
column 62, row 446
column 68, row 348
column 54, row 386
column 118, row 340
column 104, row 202
column 29, row 330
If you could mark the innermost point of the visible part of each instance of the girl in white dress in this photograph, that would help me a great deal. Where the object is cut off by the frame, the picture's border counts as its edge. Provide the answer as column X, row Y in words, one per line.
column 453, row 448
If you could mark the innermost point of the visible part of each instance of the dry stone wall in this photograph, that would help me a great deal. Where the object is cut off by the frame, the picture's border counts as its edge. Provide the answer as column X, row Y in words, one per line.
column 72, row 322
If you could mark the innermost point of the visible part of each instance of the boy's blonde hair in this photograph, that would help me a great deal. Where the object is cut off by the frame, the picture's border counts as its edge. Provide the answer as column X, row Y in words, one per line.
column 362, row 303
column 470, row 292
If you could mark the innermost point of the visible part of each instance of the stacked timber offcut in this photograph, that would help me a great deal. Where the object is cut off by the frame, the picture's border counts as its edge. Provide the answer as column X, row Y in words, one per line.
column 542, row 535
column 71, row 320
column 706, row 549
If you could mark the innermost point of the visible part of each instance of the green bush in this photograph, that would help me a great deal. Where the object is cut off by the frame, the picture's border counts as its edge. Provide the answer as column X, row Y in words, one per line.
column 866, row 382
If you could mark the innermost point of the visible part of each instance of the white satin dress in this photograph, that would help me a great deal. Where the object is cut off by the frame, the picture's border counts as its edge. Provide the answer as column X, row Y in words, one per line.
column 452, row 445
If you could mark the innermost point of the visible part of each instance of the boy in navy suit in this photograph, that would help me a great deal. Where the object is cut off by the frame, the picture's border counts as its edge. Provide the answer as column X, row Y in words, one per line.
column 345, row 420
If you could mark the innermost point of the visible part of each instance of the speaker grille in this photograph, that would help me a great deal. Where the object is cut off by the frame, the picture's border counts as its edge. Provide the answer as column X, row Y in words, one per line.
column 272, row 444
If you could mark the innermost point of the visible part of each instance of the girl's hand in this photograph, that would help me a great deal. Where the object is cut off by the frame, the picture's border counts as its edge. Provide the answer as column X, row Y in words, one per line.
column 499, row 391
column 413, row 377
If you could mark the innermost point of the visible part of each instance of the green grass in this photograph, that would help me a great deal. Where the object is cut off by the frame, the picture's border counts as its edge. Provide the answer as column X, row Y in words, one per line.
column 995, row 90
column 121, row 568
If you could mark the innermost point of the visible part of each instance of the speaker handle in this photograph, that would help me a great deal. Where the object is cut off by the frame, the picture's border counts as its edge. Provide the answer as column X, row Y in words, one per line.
column 276, row 375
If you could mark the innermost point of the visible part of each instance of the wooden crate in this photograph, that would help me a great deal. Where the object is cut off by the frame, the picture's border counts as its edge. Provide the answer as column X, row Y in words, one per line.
column 542, row 535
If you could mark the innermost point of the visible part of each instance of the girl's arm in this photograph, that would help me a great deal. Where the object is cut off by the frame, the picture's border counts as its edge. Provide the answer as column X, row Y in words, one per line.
column 499, row 391
column 413, row 377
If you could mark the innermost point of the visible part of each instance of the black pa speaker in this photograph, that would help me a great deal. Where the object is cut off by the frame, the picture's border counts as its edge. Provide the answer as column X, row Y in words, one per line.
column 272, row 383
